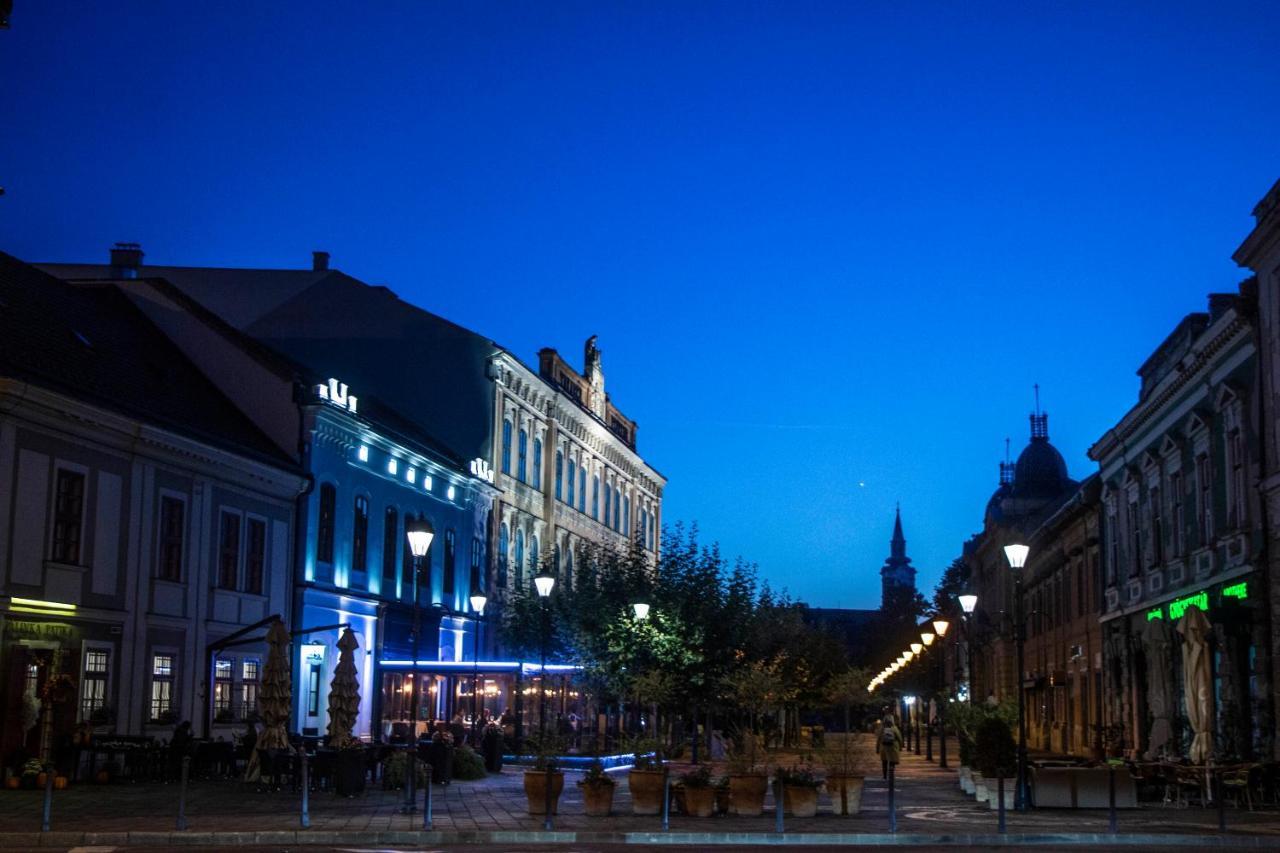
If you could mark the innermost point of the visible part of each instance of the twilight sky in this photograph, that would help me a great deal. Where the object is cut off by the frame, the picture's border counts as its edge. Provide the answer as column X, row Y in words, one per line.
column 828, row 249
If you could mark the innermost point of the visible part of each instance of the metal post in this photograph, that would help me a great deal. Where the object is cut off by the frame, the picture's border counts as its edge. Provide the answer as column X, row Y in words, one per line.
column 306, row 787
column 942, row 707
column 893, row 812
column 968, row 642
column 542, row 674
column 413, row 672
column 548, row 823
column 475, row 690
column 410, row 781
column 918, row 715
column 1020, row 792
column 666, row 798
column 182, row 793
column 1000, row 804
column 1222, row 809
column 48, row 796
column 1111, row 799
column 779, row 799
column 928, row 737
column 426, row 802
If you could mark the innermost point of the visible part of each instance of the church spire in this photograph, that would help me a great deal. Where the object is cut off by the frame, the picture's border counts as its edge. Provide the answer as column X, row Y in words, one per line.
column 897, row 575
column 898, row 545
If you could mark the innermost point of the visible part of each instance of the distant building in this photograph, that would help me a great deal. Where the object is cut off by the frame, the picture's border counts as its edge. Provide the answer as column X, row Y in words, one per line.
column 897, row 575
column 143, row 520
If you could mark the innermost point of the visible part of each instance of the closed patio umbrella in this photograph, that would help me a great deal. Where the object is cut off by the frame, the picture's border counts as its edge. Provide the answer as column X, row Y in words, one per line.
column 1156, row 644
column 344, row 693
column 275, row 700
column 1194, row 628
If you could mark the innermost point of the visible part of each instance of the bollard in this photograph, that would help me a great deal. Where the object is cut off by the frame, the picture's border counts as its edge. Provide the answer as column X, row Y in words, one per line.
column 893, row 814
column 779, row 799
column 548, row 823
column 410, row 782
column 305, row 820
column 182, row 793
column 666, row 798
column 426, row 802
column 1222, row 807
column 48, row 796
column 1000, row 805
column 1111, row 799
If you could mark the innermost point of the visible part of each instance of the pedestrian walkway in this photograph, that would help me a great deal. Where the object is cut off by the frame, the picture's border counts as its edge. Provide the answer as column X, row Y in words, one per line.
column 930, row 806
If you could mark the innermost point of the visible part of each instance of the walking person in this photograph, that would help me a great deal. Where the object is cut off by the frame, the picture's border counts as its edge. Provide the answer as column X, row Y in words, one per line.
column 888, row 744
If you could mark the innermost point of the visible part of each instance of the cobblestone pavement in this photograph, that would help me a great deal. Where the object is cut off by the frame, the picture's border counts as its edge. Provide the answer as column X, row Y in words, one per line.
column 929, row 804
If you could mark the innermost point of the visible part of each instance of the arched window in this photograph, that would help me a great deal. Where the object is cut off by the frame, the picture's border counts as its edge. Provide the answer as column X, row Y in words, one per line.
column 476, row 583
column 617, row 509
column 568, row 567
column 360, row 536
column 503, row 544
column 518, row 580
column 522, row 458
column 450, row 561
column 537, row 464
column 533, row 556
column 582, row 483
column 506, row 447
column 626, row 515
column 559, row 475
column 608, row 503
column 595, row 496
column 573, row 479
column 406, row 562
column 390, row 540
column 324, row 528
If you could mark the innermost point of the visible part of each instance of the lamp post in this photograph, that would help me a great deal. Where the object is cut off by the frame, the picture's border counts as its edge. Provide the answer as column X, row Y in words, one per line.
column 927, row 637
column 968, row 604
column 640, row 610
column 1017, row 556
column 544, row 583
column 420, row 535
column 478, row 601
column 941, row 625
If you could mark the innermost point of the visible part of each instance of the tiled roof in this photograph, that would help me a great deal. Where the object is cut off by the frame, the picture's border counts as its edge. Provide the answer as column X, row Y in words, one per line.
column 90, row 342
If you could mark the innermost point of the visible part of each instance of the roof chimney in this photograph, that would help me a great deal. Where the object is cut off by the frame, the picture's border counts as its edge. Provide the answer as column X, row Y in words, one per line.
column 125, row 260
column 319, row 260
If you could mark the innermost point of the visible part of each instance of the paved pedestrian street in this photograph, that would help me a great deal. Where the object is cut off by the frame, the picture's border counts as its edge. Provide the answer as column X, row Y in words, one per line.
column 930, row 807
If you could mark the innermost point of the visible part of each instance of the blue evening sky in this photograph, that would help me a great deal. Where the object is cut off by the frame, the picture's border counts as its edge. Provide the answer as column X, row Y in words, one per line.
column 828, row 248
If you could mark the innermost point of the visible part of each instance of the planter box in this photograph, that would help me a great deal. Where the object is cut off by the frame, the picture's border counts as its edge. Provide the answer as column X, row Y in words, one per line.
column 800, row 801
column 846, row 794
column 993, row 798
column 746, row 794
column 700, row 802
column 535, row 790
column 965, row 777
column 646, row 791
column 597, row 799
column 980, row 789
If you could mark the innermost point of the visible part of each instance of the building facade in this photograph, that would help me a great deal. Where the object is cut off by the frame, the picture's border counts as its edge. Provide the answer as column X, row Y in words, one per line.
column 1180, row 529
column 142, row 520
column 1260, row 252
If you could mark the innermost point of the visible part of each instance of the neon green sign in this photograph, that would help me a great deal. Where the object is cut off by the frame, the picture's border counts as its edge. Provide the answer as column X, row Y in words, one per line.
column 1179, row 606
column 1239, row 590
column 1156, row 613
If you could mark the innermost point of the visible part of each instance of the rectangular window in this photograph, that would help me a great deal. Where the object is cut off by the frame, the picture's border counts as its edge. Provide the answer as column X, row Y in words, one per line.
column 1235, row 449
column 617, row 509
column 537, row 464
column 595, row 496
column 390, row 538
column 248, row 688
column 1135, row 538
column 229, row 551
column 1175, row 516
column 68, row 517
column 1156, row 511
column 573, row 479
column 506, row 447
column 313, row 691
column 522, row 458
column 626, row 515
column 93, row 690
column 450, row 561
column 324, row 532
column 173, row 517
column 161, row 687
column 608, row 500
column 582, row 493
column 360, row 536
column 255, row 555
column 559, row 475
column 1205, row 508
column 222, row 690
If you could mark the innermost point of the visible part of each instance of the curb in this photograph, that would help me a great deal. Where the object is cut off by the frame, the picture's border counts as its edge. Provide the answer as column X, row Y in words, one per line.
column 453, row 837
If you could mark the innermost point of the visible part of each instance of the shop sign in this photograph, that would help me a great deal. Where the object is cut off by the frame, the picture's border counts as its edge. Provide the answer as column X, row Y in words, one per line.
column 1178, row 607
column 16, row 630
column 336, row 394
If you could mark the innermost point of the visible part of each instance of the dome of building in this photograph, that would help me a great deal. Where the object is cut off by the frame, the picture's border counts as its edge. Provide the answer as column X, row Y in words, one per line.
column 1040, row 470
column 995, row 506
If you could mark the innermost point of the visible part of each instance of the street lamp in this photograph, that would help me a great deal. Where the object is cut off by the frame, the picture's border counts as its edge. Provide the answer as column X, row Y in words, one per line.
column 641, row 610
column 927, row 637
column 968, row 604
column 1017, row 556
column 478, row 601
column 420, row 534
column 544, row 583
column 941, row 626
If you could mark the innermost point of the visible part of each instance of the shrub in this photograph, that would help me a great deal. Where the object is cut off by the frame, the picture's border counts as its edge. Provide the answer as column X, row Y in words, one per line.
column 698, row 777
column 799, row 776
column 994, row 749
column 393, row 771
column 467, row 764
column 595, row 776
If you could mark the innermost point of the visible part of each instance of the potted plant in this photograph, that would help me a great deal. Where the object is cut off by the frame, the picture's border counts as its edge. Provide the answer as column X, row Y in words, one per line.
column 597, row 791
column 646, row 779
column 544, row 781
column 997, row 756
column 748, row 776
column 699, row 793
column 848, row 762
column 33, row 773
column 800, row 786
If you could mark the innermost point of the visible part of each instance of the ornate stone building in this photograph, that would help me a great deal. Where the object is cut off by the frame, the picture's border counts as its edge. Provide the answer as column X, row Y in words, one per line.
column 567, row 465
column 1260, row 252
column 1180, row 528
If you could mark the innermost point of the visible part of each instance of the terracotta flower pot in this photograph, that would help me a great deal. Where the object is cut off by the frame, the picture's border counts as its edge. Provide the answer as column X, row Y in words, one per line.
column 700, row 802
column 59, row 783
column 535, row 790
column 12, row 783
column 41, row 779
column 800, row 800
column 646, row 791
column 846, row 794
column 102, row 776
column 722, row 800
column 746, row 794
column 597, row 798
